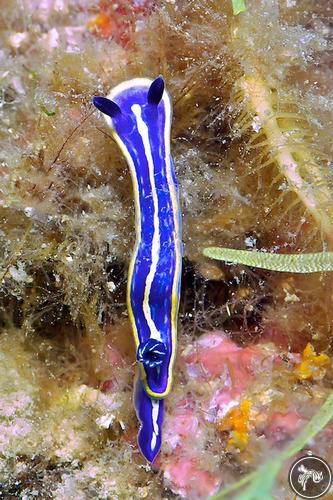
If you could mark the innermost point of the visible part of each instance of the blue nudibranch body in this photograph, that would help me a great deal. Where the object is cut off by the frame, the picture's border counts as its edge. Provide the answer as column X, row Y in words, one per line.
column 139, row 113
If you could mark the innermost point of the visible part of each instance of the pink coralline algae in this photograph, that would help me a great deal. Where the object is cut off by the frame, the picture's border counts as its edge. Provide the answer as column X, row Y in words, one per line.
column 217, row 359
column 224, row 378
column 283, row 426
column 214, row 354
column 225, row 370
column 185, row 439
column 186, row 477
column 182, row 426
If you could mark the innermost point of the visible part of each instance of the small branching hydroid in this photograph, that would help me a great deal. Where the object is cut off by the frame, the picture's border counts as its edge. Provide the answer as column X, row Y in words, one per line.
column 281, row 139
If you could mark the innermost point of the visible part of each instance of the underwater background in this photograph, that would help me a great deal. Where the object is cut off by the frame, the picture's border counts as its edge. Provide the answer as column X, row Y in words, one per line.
column 252, row 146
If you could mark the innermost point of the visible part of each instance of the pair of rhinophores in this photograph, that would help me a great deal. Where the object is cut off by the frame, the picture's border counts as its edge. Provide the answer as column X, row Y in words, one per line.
column 139, row 113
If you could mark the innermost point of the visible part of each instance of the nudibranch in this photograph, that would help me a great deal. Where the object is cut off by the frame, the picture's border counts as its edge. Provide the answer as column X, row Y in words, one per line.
column 139, row 113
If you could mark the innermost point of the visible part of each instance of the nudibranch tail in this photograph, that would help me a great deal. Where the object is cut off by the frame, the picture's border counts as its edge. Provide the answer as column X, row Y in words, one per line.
column 150, row 413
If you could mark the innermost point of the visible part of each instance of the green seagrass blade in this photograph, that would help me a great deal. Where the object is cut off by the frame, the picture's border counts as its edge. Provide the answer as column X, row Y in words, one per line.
column 289, row 263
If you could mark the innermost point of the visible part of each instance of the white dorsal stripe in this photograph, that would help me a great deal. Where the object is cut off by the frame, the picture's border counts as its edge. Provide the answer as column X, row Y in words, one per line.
column 154, row 415
column 155, row 247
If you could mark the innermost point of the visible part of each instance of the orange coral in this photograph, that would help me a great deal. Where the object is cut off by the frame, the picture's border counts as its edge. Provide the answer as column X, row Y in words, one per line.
column 101, row 24
column 237, row 421
column 313, row 366
column 118, row 20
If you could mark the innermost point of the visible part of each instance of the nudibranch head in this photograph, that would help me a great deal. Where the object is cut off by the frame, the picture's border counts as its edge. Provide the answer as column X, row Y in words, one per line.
column 122, row 105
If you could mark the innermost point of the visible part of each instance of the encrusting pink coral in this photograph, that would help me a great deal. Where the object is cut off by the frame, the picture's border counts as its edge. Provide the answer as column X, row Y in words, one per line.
column 283, row 426
column 181, row 426
column 214, row 355
column 186, row 477
column 185, row 439
column 186, row 435
column 233, row 392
